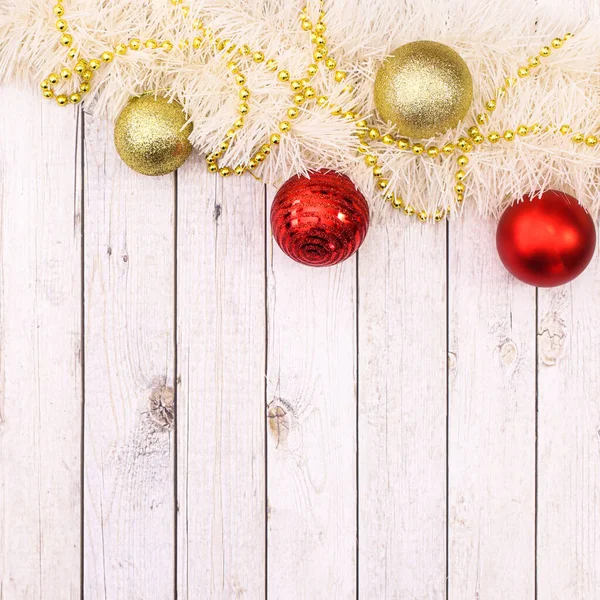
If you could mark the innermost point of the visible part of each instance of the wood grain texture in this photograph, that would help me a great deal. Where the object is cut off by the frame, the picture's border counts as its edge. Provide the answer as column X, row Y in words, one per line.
column 129, row 365
column 491, row 451
column 220, row 409
column 40, row 336
column 311, row 420
column 402, row 411
column 568, row 549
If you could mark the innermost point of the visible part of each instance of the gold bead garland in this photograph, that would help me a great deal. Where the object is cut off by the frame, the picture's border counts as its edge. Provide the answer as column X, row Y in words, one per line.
column 303, row 94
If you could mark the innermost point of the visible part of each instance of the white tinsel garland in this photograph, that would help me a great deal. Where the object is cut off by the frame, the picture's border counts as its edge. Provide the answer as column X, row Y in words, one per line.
column 493, row 37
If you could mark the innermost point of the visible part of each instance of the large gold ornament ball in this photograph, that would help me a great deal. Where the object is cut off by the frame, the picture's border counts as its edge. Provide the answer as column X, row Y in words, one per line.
column 151, row 135
column 425, row 88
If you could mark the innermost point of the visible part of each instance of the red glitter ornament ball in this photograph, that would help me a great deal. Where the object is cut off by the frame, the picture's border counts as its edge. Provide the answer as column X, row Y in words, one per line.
column 319, row 220
column 546, row 241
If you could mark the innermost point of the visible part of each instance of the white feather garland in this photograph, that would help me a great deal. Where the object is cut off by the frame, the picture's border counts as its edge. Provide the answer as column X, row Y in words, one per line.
column 493, row 37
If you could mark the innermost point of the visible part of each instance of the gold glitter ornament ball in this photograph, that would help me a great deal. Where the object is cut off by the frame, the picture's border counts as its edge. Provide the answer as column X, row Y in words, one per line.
column 151, row 135
column 424, row 88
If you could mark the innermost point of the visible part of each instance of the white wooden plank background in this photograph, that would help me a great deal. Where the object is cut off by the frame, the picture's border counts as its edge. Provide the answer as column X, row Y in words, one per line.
column 186, row 413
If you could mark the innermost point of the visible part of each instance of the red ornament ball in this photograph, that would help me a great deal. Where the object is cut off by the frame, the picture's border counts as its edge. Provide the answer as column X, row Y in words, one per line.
column 546, row 240
column 319, row 220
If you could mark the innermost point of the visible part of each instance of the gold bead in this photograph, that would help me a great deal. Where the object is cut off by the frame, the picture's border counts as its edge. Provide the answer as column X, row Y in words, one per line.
column 535, row 129
column 62, row 25
column 72, row 53
column 61, row 100
column 48, row 93
column 296, row 85
column 439, row 215
column 494, row 137
column 523, row 72
column 87, row 75
column 309, row 92
column 65, row 73
column 271, row 65
column 240, row 79
column 565, row 129
column 243, row 108
column 490, row 105
column 374, row 133
column 578, row 138
column 568, row 36
column 252, row 164
column 591, row 141
column 75, row 98
column 275, row 139
column 482, row 118
column 545, row 51
column 397, row 202
column 459, row 188
column 387, row 139
column 224, row 146
column 81, row 66
column 244, row 50
column 463, row 143
column 66, row 40
column 460, row 175
column 534, row 62
column 312, row 70
column 239, row 123
column 509, row 135
column 266, row 149
column 462, row 161
column 230, row 134
column 239, row 170
column 107, row 57
column 371, row 160
column 84, row 87
column 167, row 46
column 307, row 25
column 448, row 149
column 59, row 11
column 377, row 171
column 293, row 112
column 330, row 64
column 422, row 215
column 258, row 57
column 94, row 64
column 340, row 76
column 409, row 210
column 211, row 159
column 418, row 149
column 283, row 75
column 510, row 82
column 382, row 184
column 557, row 43
column 460, row 198
column 259, row 157
column 135, row 44
column 433, row 151
column 151, row 44
column 45, row 84
column 522, row 130
column 320, row 40
column 213, row 168
column 322, row 100
column 473, row 131
column 244, row 94
column 225, row 172
column 403, row 144
column 299, row 99
column 284, row 126
column 53, row 78
column 121, row 49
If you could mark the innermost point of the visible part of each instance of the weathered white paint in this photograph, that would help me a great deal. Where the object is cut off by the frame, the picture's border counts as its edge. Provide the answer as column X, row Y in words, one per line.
column 40, row 354
column 491, row 443
column 311, row 421
column 568, row 549
column 221, row 400
column 402, row 405
column 129, row 364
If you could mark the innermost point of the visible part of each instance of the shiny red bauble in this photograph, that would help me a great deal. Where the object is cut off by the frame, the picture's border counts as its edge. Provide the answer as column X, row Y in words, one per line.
column 319, row 220
column 546, row 240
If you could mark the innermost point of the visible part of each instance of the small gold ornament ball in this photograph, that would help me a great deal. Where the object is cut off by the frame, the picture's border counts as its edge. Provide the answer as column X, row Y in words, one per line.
column 424, row 88
column 151, row 135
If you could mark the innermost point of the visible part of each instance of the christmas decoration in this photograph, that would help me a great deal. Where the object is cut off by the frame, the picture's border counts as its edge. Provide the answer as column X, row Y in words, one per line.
column 151, row 135
column 320, row 219
column 546, row 241
column 276, row 88
column 424, row 88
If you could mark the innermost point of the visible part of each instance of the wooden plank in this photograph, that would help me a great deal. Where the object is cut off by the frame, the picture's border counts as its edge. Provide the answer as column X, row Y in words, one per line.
column 311, row 420
column 568, row 548
column 220, row 409
column 129, row 365
column 491, row 450
column 402, row 405
column 40, row 347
